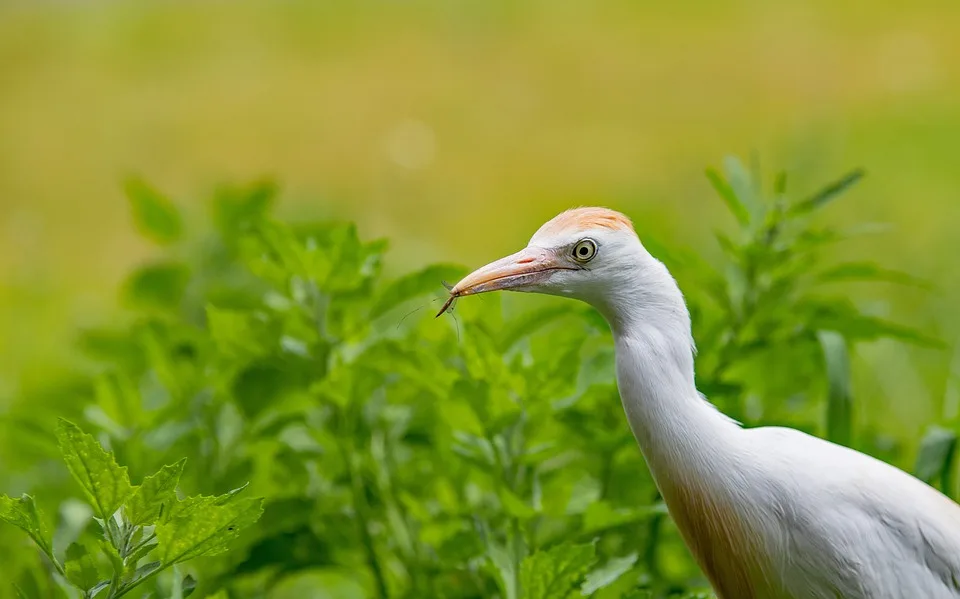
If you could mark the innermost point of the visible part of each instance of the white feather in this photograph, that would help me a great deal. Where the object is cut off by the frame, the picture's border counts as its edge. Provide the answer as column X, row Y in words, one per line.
column 769, row 513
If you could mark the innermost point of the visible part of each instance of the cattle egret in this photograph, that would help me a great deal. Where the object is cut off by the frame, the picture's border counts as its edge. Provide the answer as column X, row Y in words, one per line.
column 768, row 513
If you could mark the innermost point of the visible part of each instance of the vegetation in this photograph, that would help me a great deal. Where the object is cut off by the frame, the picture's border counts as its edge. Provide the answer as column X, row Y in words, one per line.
column 483, row 455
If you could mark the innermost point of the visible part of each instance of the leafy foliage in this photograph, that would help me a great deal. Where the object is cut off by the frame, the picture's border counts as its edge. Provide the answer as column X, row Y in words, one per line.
column 129, row 543
column 484, row 455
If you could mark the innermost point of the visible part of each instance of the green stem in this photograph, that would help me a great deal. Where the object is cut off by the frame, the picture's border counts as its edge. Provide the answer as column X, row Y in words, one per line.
column 653, row 539
column 360, row 507
column 126, row 589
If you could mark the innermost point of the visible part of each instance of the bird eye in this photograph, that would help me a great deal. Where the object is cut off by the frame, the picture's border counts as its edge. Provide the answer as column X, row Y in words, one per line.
column 585, row 250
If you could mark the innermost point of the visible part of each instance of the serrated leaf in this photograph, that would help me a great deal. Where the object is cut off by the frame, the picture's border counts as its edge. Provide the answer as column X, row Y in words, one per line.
column 937, row 452
column 24, row 514
column 143, row 507
column 555, row 573
column 607, row 574
column 205, row 529
column 840, row 399
column 729, row 197
column 413, row 285
column 155, row 216
column 80, row 567
column 105, row 484
column 827, row 194
column 116, row 562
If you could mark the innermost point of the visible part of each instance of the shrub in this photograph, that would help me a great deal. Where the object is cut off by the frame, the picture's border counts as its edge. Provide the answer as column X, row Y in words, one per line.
column 484, row 455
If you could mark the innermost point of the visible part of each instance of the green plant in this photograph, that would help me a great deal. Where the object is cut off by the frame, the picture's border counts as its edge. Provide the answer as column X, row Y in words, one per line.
column 146, row 529
column 479, row 456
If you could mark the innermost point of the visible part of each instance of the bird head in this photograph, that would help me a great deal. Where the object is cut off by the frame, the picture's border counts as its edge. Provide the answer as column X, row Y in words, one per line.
column 590, row 254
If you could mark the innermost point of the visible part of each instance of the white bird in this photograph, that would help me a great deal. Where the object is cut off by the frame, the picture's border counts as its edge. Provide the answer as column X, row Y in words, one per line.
column 770, row 512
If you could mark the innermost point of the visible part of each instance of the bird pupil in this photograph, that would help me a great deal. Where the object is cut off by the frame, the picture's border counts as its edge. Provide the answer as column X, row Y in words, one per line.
column 583, row 251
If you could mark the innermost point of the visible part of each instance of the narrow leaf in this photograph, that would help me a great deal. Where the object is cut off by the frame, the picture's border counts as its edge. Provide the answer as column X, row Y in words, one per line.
column 840, row 400
column 158, row 490
column 600, row 515
column 555, row 573
column 867, row 271
column 607, row 574
column 503, row 562
column 780, row 183
column 105, row 483
column 827, row 194
column 743, row 185
column 937, row 452
column 155, row 216
column 24, row 514
column 729, row 197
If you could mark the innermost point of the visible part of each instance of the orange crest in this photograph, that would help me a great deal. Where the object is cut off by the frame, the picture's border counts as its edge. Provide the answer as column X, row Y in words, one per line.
column 581, row 219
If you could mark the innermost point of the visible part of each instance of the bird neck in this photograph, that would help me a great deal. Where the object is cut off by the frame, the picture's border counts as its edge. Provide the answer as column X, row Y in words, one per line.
column 679, row 432
column 694, row 452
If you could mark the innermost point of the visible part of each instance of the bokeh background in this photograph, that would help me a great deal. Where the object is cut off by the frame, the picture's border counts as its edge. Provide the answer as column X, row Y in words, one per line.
column 456, row 128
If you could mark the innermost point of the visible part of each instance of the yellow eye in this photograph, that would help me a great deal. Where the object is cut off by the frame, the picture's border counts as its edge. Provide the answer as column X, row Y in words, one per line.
column 585, row 250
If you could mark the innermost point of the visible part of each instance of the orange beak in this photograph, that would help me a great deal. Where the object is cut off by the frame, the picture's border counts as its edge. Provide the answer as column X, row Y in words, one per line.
column 525, row 268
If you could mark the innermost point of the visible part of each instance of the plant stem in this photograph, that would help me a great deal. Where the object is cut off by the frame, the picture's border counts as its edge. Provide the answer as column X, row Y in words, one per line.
column 360, row 507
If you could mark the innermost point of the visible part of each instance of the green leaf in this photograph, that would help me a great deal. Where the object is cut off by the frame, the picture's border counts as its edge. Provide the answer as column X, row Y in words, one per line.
column 867, row 271
column 153, row 494
column 236, row 208
column 105, row 484
column 519, row 328
column 600, row 515
column 514, row 506
column 607, row 574
column 157, row 286
column 205, row 528
column 840, row 400
column 729, row 197
column 938, row 450
column 744, row 186
column 780, row 183
column 505, row 565
column 238, row 334
column 25, row 515
column 187, row 586
column 155, row 216
column 827, row 194
column 421, row 282
column 80, row 567
column 554, row 574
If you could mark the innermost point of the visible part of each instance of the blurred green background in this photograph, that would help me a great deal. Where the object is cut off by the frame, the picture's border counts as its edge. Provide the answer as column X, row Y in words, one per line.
column 456, row 128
